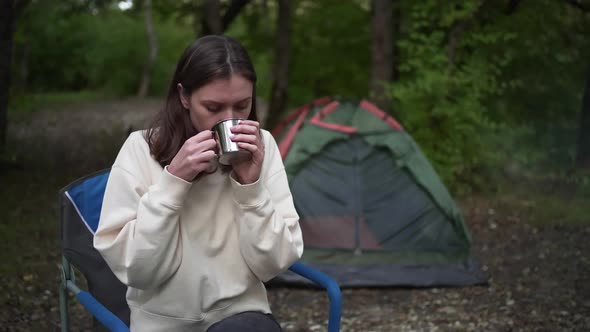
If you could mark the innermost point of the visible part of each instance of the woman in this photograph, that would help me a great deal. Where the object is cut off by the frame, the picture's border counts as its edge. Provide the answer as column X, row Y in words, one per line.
column 192, row 241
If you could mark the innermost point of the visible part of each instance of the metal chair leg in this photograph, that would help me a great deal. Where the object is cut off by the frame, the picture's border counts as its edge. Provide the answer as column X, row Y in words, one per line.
column 66, row 274
column 63, row 307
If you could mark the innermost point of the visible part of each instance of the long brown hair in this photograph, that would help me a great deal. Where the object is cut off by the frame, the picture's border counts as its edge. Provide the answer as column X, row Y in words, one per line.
column 207, row 59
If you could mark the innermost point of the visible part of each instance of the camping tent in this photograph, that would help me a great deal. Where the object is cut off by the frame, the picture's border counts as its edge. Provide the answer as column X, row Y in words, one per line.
column 373, row 211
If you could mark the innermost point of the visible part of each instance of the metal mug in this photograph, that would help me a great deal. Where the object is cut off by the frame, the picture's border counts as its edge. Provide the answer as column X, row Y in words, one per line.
column 228, row 150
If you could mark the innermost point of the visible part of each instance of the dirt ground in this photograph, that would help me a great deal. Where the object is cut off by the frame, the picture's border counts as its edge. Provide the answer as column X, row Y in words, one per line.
column 538, row 275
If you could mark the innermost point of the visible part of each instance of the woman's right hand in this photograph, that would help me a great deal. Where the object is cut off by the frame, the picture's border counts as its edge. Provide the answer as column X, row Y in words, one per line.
column 194, row 156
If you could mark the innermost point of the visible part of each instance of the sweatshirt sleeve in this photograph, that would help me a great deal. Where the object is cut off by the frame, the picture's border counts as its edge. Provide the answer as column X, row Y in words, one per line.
column 270, row 237
column 138, row 232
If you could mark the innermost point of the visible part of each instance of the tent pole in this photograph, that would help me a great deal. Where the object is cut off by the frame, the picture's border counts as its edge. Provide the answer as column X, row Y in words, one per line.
column 357, row 199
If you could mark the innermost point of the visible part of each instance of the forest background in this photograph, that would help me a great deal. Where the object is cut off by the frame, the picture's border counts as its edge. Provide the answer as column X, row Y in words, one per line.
column 495, row 92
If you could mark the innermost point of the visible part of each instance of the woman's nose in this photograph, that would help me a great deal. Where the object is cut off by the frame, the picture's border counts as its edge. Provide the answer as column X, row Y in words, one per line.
column 226, row 114
column 231, row 113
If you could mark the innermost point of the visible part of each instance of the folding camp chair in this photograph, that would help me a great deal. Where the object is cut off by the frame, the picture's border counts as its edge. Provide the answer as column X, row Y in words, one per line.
column 80, row 203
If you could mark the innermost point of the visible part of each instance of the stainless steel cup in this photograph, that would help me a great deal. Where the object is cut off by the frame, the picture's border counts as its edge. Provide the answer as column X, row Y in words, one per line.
column 228, row 150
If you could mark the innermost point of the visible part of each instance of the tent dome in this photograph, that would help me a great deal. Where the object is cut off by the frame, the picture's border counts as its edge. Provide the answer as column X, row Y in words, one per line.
column 372, row 209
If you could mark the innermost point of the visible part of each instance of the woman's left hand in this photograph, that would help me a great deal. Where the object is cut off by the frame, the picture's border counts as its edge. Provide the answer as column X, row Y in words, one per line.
column 248, row 137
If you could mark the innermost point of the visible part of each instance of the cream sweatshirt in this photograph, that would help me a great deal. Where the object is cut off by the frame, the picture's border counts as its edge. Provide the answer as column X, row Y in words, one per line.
column 192, row 254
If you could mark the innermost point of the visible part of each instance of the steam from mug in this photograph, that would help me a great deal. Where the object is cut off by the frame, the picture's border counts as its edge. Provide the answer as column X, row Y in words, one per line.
column 229, row 152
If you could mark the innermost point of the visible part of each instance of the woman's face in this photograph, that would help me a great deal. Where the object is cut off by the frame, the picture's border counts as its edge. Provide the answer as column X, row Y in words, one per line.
column 218, row 100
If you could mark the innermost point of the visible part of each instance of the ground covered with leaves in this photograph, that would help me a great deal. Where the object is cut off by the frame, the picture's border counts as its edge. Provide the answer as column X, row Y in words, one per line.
column 538, row 269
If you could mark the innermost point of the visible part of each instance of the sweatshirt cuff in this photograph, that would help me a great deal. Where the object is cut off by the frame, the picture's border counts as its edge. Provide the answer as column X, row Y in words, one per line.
column 174, row 187
column 248, row 194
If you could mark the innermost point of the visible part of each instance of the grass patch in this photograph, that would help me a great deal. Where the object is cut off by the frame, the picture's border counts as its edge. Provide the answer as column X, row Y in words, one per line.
column 24, row 104
column 29, row 234
column 543, row 209
column 555, row 201
column 31, row 179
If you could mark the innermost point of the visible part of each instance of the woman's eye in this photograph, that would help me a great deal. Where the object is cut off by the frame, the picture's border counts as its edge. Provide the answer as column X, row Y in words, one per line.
column 213, row 109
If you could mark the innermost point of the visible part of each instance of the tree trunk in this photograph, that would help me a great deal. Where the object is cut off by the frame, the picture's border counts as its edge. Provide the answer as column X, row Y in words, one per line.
column 7, row 14
column 456, row 33
column 454, row 38
column 583, row 153
column 396, row 33
column 23, row 67
column 211, row 22
column 144, row 86
column 381, row 52
column 512, row 6
column 232, row 12
column 280, row 73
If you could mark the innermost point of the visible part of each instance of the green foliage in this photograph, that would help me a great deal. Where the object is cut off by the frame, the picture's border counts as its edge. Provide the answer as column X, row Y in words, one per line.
column 331, row 50
column 255, row 28
column 65, row 50
column 557, row 197
column 330, row 47
column 445, row 81
column 172, row 40
column 22, row 105
column 550, row 55
column 115, row 64
column 50, row 48
column 479, row 87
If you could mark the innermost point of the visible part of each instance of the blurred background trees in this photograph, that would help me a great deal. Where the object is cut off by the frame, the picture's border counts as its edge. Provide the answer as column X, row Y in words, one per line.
column 485, row 87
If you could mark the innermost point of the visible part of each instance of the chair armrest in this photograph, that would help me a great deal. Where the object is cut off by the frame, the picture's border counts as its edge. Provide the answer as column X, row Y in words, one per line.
column 101, row 313
column 330, row 285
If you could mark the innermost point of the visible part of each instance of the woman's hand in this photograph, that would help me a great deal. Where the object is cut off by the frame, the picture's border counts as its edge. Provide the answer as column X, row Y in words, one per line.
column 248, row 137
column 194, row 156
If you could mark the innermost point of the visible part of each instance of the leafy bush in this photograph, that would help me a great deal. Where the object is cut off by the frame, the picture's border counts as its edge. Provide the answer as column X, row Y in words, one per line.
column 116, row 54
column 79, row 50
column 330, row 51
column 441, row 96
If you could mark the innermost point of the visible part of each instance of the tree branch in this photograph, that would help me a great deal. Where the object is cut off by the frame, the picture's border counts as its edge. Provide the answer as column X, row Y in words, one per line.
column 579, row 5
column 211, row 23
column 19, row 6
column 583, row 150
column 512, row 6
column 456, row 33
column 232, row 12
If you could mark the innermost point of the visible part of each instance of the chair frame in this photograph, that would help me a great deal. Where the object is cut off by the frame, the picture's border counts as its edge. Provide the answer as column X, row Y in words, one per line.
column 114, row 324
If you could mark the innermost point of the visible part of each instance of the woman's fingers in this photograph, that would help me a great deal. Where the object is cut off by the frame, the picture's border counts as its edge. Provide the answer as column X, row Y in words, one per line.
column 195, row 156
column 247, row 132
column 247, row 127
column 252, row 139
column 206, row 145
column 205, row 156
column 247, row 135
column 201, row 136
column 201, row 142
column 249, row 147
column 249, row 142
column 250, row 123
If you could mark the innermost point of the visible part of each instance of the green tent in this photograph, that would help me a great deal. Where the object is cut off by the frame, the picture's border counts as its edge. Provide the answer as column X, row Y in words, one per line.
column 373, row 210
